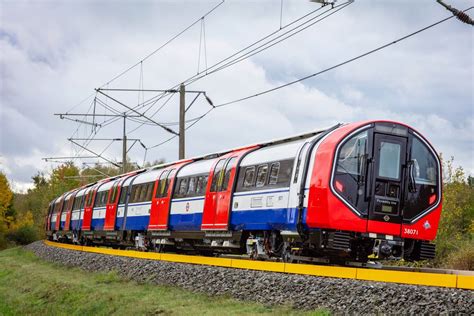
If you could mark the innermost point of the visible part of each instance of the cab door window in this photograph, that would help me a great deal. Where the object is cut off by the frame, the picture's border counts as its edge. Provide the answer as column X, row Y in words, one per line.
column 423, row 187
column 349, row 178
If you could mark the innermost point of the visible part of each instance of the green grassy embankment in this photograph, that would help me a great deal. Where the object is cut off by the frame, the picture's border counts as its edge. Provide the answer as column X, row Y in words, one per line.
column 32, row 286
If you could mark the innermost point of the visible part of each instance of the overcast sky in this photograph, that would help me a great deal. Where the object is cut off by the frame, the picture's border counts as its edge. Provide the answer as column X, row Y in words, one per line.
column 54, row 53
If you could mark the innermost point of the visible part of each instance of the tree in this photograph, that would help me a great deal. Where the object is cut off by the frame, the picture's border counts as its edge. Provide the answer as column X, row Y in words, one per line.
column 6, row 198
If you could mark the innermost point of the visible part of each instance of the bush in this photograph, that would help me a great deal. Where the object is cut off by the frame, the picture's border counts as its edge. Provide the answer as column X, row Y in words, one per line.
column 24, row 235
column 463, row 258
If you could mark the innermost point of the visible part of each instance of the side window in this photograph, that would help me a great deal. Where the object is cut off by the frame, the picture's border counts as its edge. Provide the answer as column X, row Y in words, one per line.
column 123, row 195
column 274, row 172
column 134, row 194
column 183, row 187
column 143, row 192
column 425, row 186
column 191, row 186
column 217, row 178
column 261, row 175
column 83, row 201
column 228, row 170
column 249, row 178
column 149, row 191
column 352, row 154
column 201, row 185
column 349, row 176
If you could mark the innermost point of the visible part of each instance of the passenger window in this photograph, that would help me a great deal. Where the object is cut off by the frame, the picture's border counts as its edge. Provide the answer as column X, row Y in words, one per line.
column 191, row 186
column 149, row 191
column 261, row 175
column 249, row 178
column 183, row 186
column 228, row 170
column 217, row 175
column 123, row 195
column 201, row 185
column 143, row 192
column 274, row 171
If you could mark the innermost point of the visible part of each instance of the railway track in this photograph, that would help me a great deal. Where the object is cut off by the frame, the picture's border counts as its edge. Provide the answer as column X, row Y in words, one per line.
column 392, row 274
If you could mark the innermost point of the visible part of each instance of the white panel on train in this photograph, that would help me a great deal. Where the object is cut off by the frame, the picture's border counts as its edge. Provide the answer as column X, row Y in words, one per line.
column 187, row 205
column 273, row 153
column 198, row 167
column 261, row 199
column 139, row 209
column 106, row 186
column 148, row 176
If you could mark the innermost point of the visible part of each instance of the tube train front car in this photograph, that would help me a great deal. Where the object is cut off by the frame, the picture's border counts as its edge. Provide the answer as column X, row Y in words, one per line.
column 354, row 191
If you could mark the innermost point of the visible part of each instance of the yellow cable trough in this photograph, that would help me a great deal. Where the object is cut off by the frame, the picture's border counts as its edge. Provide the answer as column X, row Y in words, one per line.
column 404, row 277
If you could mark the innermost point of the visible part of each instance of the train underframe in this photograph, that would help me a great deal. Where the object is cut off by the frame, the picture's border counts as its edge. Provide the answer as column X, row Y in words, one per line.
column 318, row 246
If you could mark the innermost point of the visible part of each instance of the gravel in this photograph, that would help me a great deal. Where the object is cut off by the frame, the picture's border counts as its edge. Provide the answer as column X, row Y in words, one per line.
column 269, row 288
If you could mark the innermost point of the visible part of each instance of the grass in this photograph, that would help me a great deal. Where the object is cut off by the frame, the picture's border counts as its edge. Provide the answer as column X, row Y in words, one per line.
column 32, row 286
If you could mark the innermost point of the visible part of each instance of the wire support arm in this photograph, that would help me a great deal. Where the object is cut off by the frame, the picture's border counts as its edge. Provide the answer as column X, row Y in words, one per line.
column 169, row 130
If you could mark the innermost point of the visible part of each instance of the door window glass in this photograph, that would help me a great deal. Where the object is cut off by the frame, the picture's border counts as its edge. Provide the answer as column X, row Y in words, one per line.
column 161, row 184
column 425, row 187
column 424, row 164
column 351, row 155
column 349, row 179
column 389, row 166
column 228, row 170
column 217, row 175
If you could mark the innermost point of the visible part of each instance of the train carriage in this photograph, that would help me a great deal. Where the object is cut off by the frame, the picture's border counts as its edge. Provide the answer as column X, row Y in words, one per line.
column 341, row 194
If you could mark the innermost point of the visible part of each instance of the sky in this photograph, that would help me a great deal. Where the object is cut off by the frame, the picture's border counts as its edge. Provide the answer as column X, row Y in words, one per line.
column 53, row 54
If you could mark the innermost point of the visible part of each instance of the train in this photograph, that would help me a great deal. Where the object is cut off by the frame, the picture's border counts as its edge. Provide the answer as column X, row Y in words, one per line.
column 349, row 193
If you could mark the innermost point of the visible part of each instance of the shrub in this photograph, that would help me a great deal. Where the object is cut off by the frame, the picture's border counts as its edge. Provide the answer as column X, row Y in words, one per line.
column 24, row 235
column 463, row 258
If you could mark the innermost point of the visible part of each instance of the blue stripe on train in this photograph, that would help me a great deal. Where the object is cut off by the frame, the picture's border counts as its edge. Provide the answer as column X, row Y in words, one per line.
column 97, row 224
column 76, row 224
column 263, row 219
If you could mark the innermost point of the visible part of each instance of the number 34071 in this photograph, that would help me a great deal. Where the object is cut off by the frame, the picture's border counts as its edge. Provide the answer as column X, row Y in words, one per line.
column 410, row 231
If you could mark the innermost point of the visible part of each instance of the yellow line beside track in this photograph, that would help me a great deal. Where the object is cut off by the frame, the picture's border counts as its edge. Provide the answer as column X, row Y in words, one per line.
column 404, row 277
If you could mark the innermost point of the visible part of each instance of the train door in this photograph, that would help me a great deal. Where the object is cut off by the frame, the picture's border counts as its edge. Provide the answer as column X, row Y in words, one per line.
column 111, row 208
column 67, row 224
column 158, row 200
column 88, row 206
column 58, row 215
column 387, row 184
column 161, row 201
column 217, row 204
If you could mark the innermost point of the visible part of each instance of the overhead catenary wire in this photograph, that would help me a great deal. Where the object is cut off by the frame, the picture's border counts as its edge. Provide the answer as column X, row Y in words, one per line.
column 372, row 51
column 259, row 49
column 205, row 71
